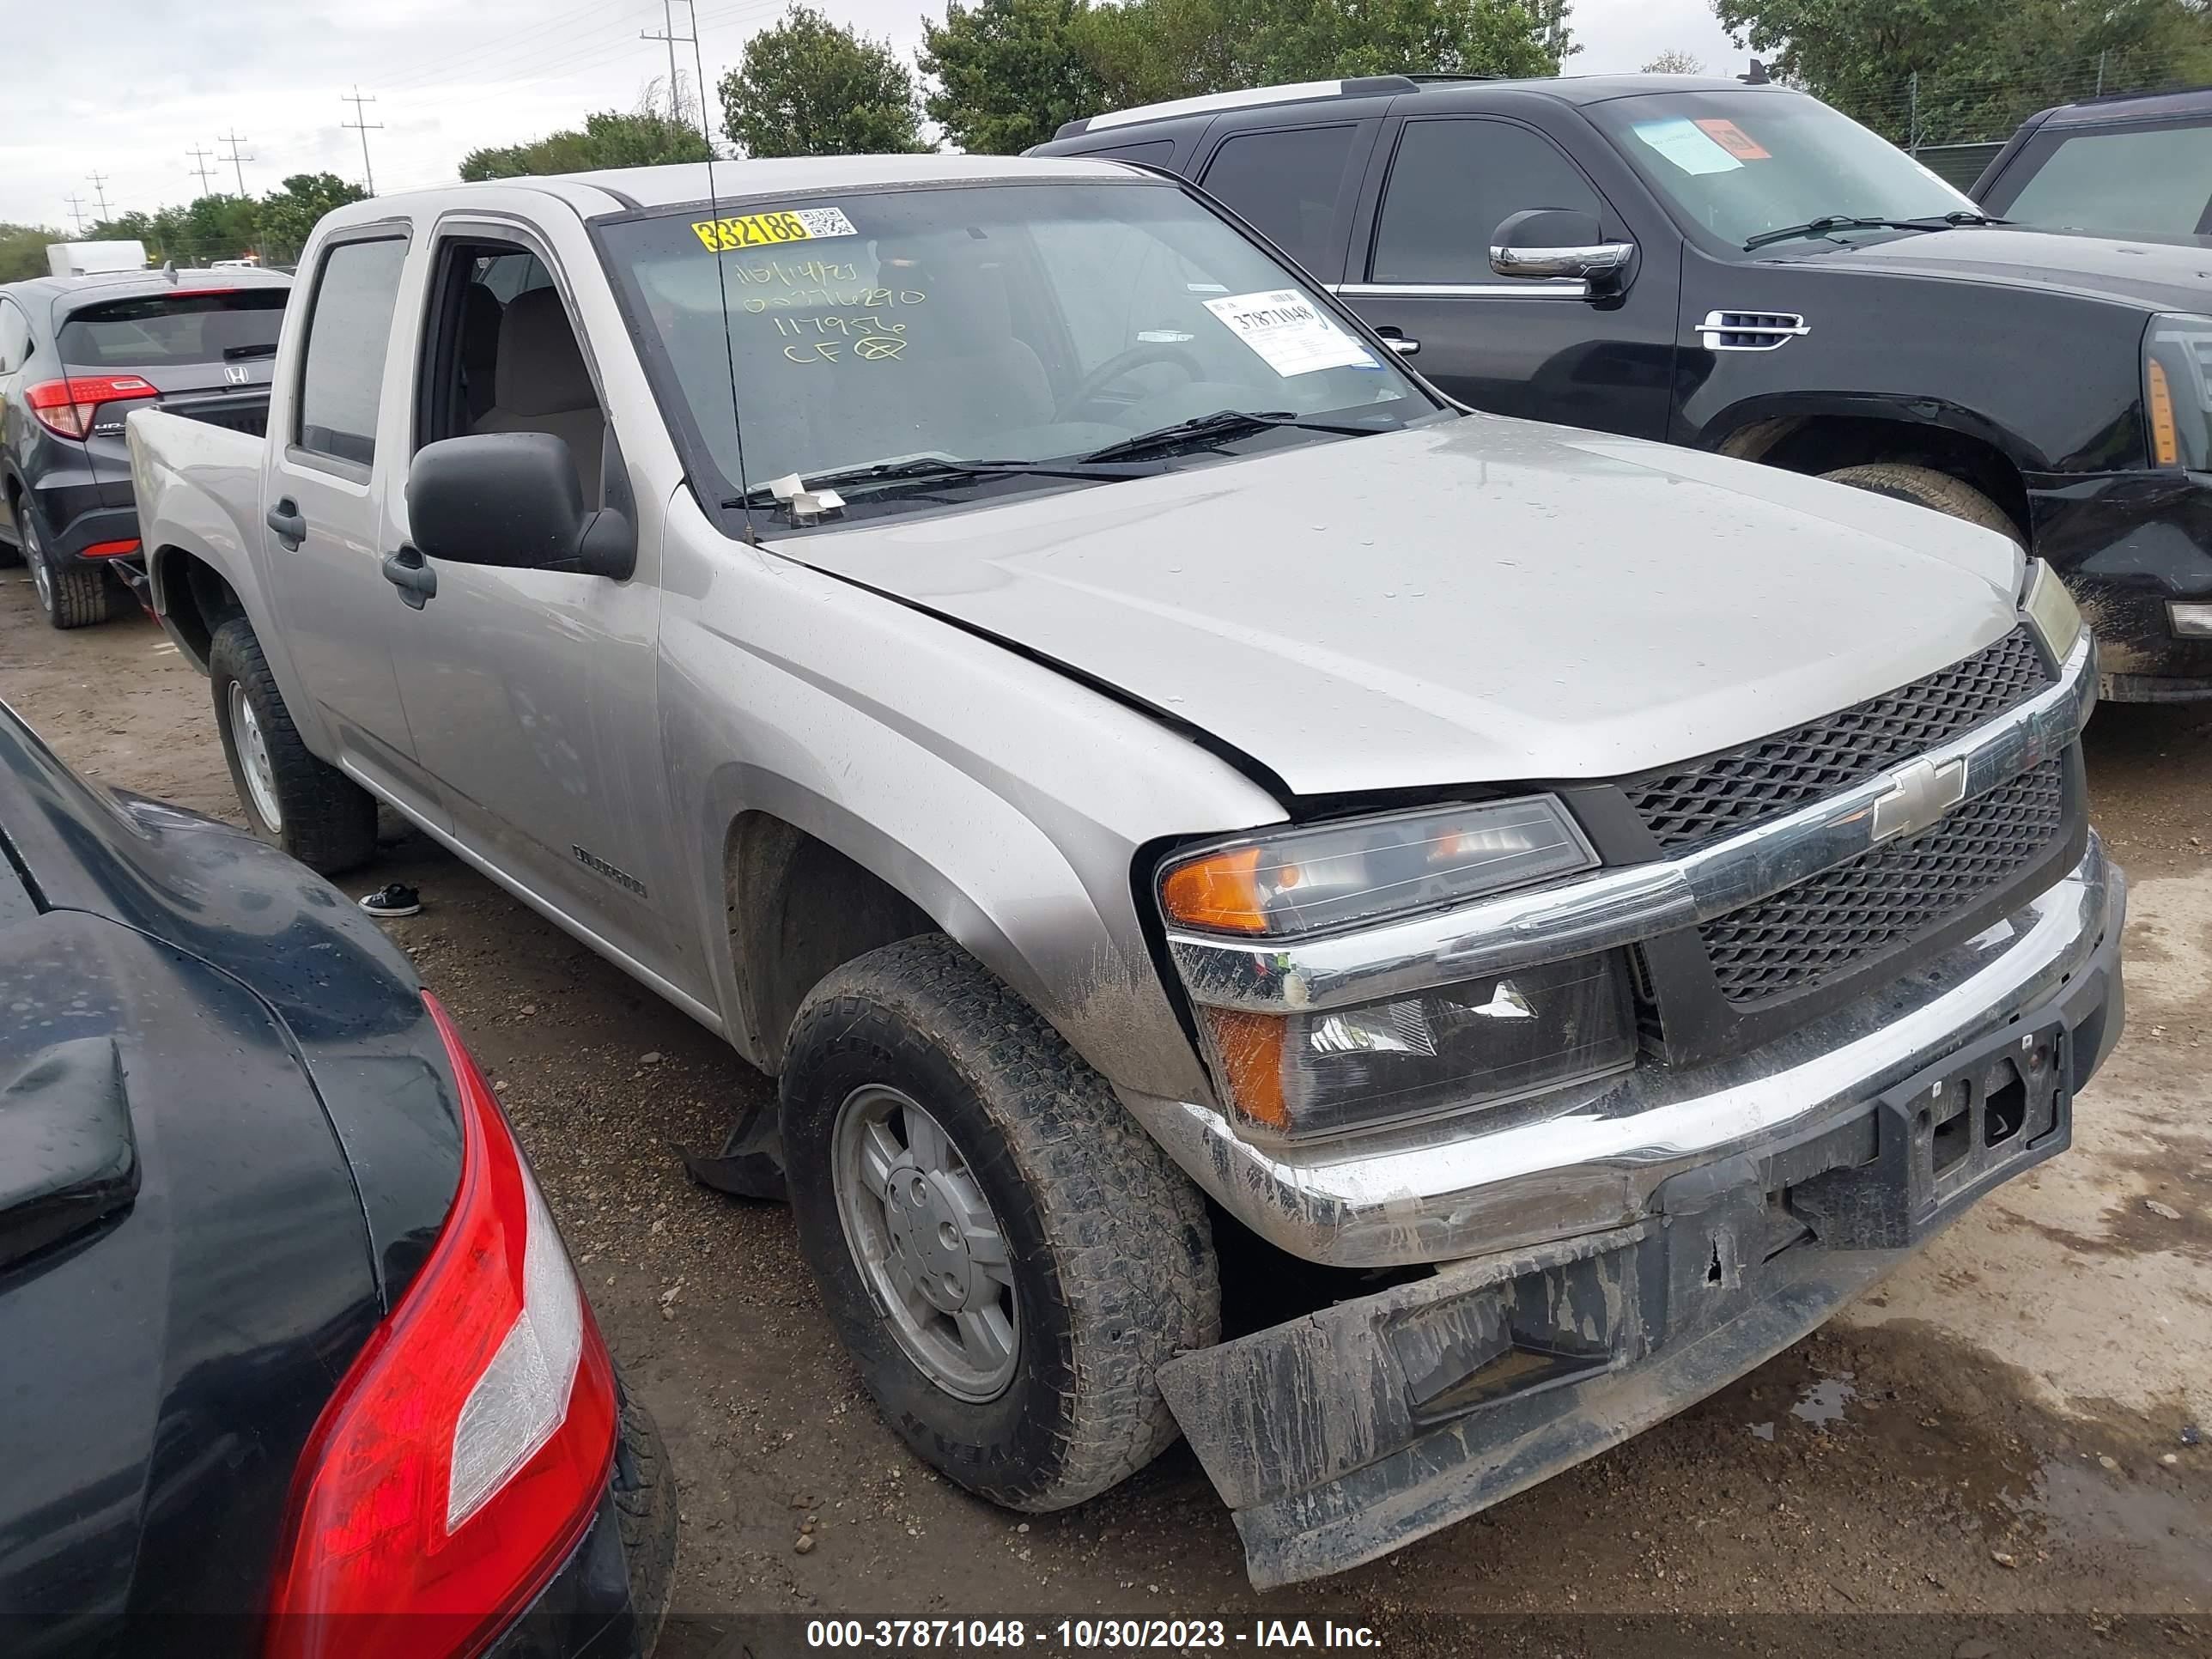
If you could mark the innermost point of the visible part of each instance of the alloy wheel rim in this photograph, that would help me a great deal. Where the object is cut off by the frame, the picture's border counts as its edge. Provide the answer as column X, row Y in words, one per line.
column 926, row 1241
column 42, row 579
column 253, row 759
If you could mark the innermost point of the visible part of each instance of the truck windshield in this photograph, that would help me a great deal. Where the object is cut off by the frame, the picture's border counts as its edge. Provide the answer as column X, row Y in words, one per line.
column 1743, row 165
column 182, row 327
column 1009, row 323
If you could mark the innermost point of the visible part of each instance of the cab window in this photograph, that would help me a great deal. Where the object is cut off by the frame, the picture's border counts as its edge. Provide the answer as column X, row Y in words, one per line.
column 1286, row 184
column 348, row 333
column 1452, row 184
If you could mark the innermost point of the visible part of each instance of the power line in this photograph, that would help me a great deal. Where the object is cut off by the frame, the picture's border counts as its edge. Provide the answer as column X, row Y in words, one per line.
column 100, row 189
column 363, row 128
column 199, row 156
column 76, row 212
column 235, row 158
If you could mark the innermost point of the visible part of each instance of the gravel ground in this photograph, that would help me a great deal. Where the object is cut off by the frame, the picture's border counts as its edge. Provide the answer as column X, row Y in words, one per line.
column 2004, row 1432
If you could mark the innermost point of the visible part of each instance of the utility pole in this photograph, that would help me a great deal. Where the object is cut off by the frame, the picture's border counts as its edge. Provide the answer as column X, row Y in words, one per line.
column 236, row 159
column 100, row 189
column 669, row 34
column 200, row 166
column 364, row 127
column 76, row 212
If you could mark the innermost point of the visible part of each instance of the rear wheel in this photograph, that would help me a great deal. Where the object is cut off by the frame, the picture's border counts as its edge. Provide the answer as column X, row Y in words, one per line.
column 312, row 810
column 1007, row 1257
column 1924, row 486
column 71, row 595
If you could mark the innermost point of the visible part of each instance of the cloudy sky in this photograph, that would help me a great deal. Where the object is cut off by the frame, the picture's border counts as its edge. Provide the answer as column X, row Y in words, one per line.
column 127, row 87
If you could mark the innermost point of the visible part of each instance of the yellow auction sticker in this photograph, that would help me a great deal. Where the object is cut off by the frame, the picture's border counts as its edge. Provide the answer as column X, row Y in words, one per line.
column 773, row 229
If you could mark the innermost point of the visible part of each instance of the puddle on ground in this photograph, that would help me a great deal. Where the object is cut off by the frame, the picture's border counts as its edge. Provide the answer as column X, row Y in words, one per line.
column 1823, row 1402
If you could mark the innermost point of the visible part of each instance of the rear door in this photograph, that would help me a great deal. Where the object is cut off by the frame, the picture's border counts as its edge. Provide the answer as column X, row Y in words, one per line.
column 1548, row 349
column 322, row 524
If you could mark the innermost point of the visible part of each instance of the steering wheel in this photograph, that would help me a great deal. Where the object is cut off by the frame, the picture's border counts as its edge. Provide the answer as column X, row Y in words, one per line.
column 1128, row 362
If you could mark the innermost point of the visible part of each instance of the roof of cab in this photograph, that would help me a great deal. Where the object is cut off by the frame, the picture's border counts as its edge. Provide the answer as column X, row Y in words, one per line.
column 2131, row 106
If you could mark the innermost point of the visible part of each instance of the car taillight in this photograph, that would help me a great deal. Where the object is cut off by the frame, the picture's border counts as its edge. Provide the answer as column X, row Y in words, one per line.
column 465, row 1451
column 66, row 407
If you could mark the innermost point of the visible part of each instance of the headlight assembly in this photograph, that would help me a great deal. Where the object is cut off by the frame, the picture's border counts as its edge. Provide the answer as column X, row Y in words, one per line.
column 1481, row 1041
column 2050, row 609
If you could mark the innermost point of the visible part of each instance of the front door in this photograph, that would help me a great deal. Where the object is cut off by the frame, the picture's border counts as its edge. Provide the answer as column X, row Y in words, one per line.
column 532, row 693
column 322, row 490
column 1545, row 350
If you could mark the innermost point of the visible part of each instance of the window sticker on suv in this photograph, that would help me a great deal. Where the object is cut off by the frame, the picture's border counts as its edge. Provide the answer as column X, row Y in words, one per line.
column 1291, row 336
column 1687, row 144
column 1734, row 140
column 770, row 229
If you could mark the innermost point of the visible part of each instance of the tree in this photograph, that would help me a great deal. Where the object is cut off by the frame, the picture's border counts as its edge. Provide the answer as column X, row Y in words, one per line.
column 23, row 250
column 809, row 86
column 1982, row 65
column 1008, row 73
column 642, row 138
column 1673, row 62
column 287, row 215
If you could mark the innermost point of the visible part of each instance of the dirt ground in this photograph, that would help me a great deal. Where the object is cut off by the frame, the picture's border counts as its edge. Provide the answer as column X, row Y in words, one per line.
column 1998, row 1453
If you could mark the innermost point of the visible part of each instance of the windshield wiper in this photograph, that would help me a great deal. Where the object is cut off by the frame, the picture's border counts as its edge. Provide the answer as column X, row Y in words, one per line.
column 933, row 469
column 1844, row 222
column 231, row 354
column 1222, row 424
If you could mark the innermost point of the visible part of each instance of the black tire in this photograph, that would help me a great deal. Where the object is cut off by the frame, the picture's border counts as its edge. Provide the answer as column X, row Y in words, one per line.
column 71, row 595
column 1112, row 1256
column 328, row 822
column 646, row 1514
column 1923, row 486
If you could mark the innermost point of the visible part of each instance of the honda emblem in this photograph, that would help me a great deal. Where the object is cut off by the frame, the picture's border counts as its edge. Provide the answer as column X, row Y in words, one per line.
column 237, row 373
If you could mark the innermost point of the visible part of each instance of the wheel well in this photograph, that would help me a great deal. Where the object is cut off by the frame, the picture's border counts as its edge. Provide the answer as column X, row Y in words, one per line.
column 796, row 909
column 1823, row 443
column 195, row 599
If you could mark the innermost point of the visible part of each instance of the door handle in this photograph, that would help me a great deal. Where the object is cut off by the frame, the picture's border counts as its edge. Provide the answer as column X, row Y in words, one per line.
column 414, row 580
column 291, row 529
column 1396, row 340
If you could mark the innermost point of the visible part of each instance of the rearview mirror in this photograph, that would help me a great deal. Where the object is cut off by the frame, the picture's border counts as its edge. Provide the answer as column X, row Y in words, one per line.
column 512, row 499
column 1558, row 242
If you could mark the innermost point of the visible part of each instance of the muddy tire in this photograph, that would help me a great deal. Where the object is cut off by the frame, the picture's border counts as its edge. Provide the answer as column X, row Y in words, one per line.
column 293, row 801
column 1923, row 486
column 71, row 595
column 1008, row 1258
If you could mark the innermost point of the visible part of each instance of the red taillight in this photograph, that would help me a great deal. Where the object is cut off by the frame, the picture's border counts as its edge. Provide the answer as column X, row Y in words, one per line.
column 111, row 549
column 464, row 1453
column 66, row 407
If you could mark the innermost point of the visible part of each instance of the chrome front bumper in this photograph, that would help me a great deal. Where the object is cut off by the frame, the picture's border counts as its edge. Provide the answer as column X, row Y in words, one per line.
column 1517, row 1176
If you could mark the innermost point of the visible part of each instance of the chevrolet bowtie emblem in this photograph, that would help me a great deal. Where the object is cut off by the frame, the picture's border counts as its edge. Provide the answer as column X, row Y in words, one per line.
column 1921, row 794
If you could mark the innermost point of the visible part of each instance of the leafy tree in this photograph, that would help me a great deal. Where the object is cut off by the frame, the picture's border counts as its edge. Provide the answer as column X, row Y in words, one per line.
column 1982, row 65
column 23, row 250
column 1673, row 62
column 1008, row 73
column 1320, row 39
column 642, row 138
column 809, row 86
column 287, row 215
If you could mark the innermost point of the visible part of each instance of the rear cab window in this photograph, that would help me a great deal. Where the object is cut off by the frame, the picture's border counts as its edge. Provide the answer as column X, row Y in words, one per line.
column 348, row 335
column 2148, row 180
column 152, row 330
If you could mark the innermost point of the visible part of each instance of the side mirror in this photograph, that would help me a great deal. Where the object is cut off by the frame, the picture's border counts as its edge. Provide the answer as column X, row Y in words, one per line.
column 512, row 499
column 1558, row 242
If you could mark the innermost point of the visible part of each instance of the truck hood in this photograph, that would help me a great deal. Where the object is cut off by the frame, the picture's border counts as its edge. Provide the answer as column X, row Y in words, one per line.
column 1470, row 601
column 2156, row 276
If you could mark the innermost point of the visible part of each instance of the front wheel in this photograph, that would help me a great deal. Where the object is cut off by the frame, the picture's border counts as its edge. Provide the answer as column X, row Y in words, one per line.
column 1007, row 1255
column 1923, row 486
column 293, row 801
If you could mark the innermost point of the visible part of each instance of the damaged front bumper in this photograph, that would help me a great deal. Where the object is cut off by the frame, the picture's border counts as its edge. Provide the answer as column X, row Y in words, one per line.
column 2130, row 545
column 1637, row 1253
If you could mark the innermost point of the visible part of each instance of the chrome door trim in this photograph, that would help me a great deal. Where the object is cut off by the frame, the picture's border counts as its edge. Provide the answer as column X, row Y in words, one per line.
column 1568, row 287
column 1621, row 906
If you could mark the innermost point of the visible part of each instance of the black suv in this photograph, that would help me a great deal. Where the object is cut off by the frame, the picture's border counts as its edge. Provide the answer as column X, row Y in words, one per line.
column 77, row 355
column 1742, row 270
column 2137, row 165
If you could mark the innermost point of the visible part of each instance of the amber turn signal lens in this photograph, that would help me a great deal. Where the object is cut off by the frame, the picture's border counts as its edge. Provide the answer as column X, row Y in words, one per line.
column 1250, row 1049
column 2165, row 440
column 1221, row 892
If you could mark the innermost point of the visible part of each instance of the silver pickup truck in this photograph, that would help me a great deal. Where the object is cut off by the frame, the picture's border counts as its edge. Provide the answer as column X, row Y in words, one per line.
column 1530, row 921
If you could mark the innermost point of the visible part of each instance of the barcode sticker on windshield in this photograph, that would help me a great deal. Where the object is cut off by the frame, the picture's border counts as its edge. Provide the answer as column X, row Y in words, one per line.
column 1292, row 334
column 773, row 229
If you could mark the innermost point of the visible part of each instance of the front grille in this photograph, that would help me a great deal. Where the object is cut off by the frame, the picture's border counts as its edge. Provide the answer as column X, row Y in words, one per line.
column 1731, row 792
column 1828, row 924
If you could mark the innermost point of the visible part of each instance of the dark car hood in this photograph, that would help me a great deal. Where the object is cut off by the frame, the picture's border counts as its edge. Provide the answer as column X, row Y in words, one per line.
column 2157, row 276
